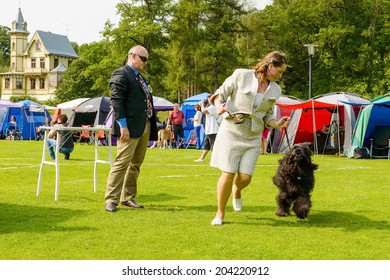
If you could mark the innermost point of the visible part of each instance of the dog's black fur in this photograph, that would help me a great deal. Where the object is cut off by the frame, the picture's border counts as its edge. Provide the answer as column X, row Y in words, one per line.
column 295, row 181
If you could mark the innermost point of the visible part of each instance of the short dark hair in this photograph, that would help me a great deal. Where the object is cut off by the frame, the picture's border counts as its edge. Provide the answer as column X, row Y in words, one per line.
column 63, row 118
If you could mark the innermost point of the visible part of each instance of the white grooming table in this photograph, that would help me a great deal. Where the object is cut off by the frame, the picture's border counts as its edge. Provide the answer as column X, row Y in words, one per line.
column 56, row 162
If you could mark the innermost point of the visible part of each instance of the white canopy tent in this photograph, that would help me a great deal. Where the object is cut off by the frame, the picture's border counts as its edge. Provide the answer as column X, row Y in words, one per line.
column 67, row 107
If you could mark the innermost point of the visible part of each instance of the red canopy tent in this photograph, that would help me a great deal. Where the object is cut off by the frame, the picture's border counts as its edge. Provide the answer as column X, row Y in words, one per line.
column 307, row 119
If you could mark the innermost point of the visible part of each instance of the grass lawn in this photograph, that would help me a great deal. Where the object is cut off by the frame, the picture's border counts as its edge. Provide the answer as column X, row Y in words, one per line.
column 349, row 219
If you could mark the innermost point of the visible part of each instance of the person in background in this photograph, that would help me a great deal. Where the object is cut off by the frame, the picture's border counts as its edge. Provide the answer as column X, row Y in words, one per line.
column 134, row 124
column 264, row 141
column 246, row 99
column 40, row 133
column 197, row 124
column 13, row 121
column 177, row 121
column 211, row 127
column 65, row 141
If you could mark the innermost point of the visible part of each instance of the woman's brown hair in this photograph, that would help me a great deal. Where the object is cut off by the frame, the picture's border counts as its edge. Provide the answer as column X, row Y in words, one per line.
column 275, row 58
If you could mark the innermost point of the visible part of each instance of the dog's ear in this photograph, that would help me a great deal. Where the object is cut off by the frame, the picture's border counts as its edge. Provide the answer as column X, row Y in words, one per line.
column 310, row 146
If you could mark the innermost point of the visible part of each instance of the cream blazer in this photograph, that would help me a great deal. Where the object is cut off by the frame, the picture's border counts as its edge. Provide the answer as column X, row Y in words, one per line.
column 239, row 91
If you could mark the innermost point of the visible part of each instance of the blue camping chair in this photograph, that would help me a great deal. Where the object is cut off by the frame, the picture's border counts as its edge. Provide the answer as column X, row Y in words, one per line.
column 12, row 132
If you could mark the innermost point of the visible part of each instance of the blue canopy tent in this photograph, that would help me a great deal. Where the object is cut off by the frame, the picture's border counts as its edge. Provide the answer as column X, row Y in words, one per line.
column 374, row 115
column 29, row 115
column 188, row 109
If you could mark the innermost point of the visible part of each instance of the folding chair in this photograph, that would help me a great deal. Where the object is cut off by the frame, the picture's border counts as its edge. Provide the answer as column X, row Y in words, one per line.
column 191, row 139
column 380, row 144
column 85, row 136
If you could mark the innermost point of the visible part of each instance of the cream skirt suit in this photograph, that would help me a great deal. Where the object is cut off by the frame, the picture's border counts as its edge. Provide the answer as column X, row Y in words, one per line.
column 237, row 146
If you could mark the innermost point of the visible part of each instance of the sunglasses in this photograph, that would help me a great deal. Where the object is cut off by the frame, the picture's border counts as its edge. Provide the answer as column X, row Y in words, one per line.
column 143, row 58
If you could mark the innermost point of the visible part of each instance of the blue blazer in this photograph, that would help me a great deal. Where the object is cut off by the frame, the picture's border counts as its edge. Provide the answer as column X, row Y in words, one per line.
column 128, row 101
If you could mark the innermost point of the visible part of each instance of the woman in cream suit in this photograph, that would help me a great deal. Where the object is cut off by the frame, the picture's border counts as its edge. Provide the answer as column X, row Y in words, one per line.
column 246, row 100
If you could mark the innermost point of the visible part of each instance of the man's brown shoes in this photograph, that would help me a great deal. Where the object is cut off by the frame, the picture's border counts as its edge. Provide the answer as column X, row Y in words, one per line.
column 132, row 203
column 110, row 207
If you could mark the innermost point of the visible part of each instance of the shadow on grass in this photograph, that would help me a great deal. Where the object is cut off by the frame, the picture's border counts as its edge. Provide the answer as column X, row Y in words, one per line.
column 333, row 219
column 17, row 218
column 161, row 197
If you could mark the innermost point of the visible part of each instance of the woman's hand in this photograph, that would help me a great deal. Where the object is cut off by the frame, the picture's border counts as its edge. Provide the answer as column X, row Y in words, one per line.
column 283, row 122
column 219, row 106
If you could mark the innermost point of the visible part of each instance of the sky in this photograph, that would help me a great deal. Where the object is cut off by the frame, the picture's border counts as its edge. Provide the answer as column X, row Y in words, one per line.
column 81, row 20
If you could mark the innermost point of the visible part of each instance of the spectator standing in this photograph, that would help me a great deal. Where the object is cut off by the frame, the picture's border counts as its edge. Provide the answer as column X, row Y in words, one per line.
column 177, row 121
column 211, row 127
column 197, row 124
column 264, row 141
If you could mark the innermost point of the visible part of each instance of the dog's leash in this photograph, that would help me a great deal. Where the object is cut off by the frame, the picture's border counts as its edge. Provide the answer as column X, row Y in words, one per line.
column 288, row 140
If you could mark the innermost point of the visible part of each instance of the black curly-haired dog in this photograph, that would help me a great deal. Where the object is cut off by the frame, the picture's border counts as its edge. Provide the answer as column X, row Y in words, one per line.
column 295, row 181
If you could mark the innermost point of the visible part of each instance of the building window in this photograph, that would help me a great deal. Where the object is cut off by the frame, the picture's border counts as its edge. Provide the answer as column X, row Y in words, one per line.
column 6, row 83
column 42, row 62
column 33, row 62
column 13, row 46
column 41, row 83
column 32, row 83
column 19, row 83
column 13, row 65
column 38, row 46
column 60, row 79
column 55, row 62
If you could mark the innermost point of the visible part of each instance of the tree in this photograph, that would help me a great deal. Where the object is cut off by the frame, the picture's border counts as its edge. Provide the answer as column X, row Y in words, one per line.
column 142, row 23
column 202, row 51
column 77, row 82
column 4, row 46
column 222, row 21
column 350, row 34
column 181, row 77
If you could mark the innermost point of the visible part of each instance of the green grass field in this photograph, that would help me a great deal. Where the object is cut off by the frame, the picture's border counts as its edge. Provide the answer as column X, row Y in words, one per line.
column 349, row 219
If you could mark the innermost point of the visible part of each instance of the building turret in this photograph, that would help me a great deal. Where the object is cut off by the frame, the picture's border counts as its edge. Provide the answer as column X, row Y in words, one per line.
column 18, row 44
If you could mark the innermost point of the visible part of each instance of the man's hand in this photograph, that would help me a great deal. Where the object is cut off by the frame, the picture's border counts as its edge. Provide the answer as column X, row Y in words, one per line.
column 125, row 134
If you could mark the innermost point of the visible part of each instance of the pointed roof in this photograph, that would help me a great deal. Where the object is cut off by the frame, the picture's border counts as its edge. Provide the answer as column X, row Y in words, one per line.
column 59, row 69
column 20, row 23
column 57, row 44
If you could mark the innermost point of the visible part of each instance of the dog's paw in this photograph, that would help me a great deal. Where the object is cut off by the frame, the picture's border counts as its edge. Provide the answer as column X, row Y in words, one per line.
column 302, row 214
column 281, row 213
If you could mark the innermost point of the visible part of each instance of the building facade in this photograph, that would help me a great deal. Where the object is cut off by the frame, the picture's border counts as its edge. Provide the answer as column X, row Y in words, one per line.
column 36, row 67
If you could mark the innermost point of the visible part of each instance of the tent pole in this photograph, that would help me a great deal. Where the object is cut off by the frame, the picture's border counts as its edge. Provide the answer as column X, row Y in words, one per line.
column 338, row 126
column 314, row 128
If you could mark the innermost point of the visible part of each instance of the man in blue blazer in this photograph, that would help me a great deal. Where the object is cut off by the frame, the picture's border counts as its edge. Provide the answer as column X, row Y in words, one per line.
column 134, row 123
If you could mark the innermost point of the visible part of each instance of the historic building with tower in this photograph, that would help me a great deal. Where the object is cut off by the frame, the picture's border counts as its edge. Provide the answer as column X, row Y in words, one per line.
column 36, row 67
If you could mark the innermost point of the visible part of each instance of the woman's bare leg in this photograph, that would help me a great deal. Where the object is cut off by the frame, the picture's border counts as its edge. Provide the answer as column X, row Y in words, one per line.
column 224, row 189
column 242, row 181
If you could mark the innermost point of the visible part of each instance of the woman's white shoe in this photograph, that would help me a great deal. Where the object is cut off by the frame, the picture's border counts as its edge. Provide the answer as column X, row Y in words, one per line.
column 237, row 204
column 217, row 221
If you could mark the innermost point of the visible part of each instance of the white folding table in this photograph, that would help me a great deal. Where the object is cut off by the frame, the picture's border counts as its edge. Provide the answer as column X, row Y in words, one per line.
column 56, row 162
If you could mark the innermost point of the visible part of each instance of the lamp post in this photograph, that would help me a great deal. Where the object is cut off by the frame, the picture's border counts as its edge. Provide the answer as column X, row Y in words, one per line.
column 310, row 49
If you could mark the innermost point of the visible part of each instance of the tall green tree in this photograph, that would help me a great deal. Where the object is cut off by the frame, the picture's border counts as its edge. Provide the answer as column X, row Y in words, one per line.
column 202, row 47
column 350, row 56
column 88, row 76
column 222, row 21
column 4, row 46
column 142, row 23
column 77, row 83
column 184, row 38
